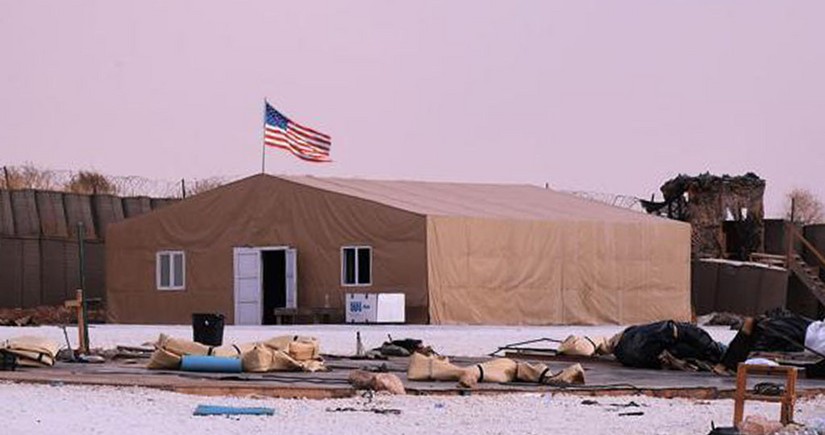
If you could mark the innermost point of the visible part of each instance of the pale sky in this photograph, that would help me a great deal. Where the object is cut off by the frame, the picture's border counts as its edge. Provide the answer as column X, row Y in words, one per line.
column 608, row 96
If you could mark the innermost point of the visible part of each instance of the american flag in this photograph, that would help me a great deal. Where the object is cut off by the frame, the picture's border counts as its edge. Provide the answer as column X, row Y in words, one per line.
column 305, row 143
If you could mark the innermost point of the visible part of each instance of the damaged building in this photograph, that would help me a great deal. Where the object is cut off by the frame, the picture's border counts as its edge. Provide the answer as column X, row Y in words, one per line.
column 743, row 263
column 725, row 212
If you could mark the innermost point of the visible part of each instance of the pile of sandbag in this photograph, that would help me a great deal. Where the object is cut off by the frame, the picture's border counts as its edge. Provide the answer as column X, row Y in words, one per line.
column 283, row 353
column 439, row 368
column 31, row 351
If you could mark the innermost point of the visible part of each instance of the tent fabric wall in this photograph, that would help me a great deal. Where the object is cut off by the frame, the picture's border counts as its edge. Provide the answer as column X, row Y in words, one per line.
column 481, row 254
column 529, row 272
column 261, row 211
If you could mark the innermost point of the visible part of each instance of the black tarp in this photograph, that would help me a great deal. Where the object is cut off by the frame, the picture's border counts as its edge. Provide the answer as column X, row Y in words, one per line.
column 641, row 345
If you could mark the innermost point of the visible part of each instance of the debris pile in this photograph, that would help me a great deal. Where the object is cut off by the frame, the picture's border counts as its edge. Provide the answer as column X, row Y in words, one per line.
column 47, row 315
column 707, row 202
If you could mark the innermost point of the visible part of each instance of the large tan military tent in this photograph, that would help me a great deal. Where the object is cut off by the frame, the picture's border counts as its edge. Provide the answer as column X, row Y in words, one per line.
column 461, row 253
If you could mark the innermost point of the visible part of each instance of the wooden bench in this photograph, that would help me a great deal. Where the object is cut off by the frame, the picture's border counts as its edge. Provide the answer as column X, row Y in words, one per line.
column 319, row 315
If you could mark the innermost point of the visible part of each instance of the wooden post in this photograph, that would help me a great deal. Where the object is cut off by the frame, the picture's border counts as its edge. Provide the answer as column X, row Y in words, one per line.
column 81, row 236
column 739, row 397
column 786, row 415
column 789, row 234
column 77, row 303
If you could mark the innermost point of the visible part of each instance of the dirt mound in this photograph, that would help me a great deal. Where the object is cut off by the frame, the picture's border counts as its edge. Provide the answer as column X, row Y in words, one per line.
column 47, row 315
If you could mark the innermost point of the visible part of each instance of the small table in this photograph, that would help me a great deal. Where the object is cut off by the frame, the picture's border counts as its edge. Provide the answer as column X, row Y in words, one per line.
column 787, row 399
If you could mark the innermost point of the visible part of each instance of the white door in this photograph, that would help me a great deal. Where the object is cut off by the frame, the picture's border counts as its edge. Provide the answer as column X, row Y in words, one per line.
column 248, row 297
column 291, row 278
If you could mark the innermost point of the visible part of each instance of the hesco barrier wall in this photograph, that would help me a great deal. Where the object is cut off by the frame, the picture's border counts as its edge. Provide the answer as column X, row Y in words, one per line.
column 737, row 287
column 39, row 254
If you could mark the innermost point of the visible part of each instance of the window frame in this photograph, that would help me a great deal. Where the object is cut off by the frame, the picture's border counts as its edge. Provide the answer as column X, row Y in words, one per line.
column 355, row 249
column 172, row 272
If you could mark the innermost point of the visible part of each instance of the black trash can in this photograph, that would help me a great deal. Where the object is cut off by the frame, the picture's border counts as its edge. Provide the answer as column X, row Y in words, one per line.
column 8, row 361
column 207, row 328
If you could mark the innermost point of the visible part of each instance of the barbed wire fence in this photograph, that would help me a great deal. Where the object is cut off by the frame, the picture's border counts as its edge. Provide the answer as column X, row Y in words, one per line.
column 91, row 182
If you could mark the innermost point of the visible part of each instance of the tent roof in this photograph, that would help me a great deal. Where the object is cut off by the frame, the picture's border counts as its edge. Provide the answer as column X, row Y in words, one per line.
column 496, row 201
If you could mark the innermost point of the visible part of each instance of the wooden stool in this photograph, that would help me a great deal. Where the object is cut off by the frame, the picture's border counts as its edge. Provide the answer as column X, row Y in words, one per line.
column 787, row 400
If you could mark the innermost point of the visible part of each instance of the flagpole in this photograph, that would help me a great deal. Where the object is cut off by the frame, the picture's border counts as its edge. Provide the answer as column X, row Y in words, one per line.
column 263, row 142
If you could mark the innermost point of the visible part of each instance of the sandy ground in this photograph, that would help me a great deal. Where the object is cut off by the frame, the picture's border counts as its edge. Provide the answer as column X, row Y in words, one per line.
column 41, row 409
column 36, row 409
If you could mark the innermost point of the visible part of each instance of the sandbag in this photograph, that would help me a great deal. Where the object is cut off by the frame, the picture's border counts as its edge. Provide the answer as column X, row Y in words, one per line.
column 182, row 347
column 438, row 368
column 162, row 359
column 585, row 346
column 363, row 380
column 497, row 370
column 234, row 350
column 303, row 351
column 32, row 351
column 298, row 344
column 541, row 374
column 432, row 368
column 257, row 360
column 284, row 353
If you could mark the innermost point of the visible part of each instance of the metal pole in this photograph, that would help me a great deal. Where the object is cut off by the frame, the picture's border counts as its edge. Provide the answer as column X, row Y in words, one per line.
column 263, row 142
column 183, row 187
column 82, row 254
column 793, row 209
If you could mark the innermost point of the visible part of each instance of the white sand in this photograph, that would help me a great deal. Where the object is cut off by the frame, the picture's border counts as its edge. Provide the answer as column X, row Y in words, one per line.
column 42, row 409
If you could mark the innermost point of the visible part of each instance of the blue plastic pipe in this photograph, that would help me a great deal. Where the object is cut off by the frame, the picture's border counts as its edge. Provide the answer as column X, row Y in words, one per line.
column 212, row 364
column 231, row 410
